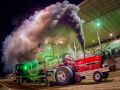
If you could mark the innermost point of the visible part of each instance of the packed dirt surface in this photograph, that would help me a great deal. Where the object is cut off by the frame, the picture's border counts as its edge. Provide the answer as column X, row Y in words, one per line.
column 112, row 83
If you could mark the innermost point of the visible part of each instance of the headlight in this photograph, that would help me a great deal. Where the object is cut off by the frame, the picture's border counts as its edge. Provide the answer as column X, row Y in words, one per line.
column 105, row 65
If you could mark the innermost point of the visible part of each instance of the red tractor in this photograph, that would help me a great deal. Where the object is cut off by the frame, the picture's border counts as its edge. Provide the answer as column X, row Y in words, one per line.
column 76, row 70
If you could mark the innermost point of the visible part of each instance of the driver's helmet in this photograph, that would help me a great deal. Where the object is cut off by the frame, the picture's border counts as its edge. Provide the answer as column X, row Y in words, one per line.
column 67, row 56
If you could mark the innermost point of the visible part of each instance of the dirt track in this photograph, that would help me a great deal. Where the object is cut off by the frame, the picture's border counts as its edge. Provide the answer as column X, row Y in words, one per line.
column 112, row 83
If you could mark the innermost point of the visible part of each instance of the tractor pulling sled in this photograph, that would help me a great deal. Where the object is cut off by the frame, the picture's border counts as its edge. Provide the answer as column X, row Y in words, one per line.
column 68, row 72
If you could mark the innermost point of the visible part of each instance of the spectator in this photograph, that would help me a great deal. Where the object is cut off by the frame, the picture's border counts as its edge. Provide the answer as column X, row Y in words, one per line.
column 116, row 52
column 119, row 51
column 109, row 55
column 113, row 53
column 104, row 55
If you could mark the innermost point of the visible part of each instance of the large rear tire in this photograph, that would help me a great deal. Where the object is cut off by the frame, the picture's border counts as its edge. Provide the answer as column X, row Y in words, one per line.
column 64, row 75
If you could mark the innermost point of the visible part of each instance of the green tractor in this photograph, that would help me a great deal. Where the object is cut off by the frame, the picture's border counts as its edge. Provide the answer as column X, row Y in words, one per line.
column 29, row 72
column 34, row 71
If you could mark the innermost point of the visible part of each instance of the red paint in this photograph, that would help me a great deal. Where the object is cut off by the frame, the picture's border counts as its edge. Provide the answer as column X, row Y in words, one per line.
column 85, row 64
column 89, row 63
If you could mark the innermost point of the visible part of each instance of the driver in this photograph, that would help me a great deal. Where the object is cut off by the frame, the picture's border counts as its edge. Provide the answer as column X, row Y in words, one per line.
column 68, row 60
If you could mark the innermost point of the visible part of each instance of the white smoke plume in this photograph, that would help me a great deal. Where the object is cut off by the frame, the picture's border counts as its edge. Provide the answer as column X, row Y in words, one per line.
column 17, row 47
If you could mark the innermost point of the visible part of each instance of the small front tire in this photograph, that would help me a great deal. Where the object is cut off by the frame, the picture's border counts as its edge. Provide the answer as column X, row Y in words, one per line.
column 97, row 76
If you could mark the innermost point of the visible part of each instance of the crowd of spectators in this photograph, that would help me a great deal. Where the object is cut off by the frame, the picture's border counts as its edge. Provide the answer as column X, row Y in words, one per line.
column 111, row 53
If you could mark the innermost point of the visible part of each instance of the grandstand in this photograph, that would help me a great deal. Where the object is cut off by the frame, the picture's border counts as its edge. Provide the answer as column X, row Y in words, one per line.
column 106, row 14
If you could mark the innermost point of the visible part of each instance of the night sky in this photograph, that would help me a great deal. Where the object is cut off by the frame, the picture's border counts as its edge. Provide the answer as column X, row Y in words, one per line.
column 15, row 11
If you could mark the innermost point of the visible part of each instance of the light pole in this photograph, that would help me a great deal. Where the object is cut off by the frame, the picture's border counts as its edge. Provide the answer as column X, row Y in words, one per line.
column 75, row 49
column 58, row 42
column 93, row 41
column 97, row 32
column 57, row 51
column 50, row 41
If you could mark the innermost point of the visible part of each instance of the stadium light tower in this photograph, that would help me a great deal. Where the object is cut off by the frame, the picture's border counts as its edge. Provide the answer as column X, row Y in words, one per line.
column 97, row 32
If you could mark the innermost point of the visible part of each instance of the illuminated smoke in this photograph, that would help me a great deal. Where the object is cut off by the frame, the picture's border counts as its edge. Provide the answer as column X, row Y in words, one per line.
column 18, row 46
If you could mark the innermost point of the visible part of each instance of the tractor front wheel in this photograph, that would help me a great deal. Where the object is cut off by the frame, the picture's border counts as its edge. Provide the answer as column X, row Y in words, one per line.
column 97, row 76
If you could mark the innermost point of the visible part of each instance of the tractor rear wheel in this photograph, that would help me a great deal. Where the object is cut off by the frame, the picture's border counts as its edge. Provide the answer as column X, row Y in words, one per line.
column 64, row 75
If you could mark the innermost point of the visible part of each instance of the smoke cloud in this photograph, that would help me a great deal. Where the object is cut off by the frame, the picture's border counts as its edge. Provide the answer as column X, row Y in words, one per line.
column 18, row 46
